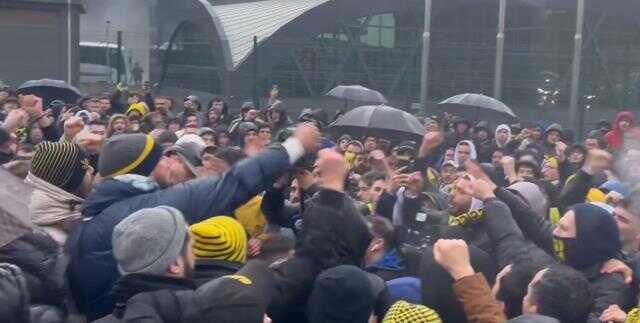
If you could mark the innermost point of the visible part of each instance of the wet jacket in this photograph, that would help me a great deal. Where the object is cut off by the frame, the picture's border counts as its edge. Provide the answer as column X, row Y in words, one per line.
column 510, row 242
column 42, row 264
column 344, row 232
column 133, row 284
column 92, row 271
column 210, row 269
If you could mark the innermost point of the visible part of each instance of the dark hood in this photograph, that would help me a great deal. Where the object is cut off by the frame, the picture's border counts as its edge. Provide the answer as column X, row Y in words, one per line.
column 437, row 284
column 597, row 236
column 624, row 115
column 107, row 193
column 334, row 231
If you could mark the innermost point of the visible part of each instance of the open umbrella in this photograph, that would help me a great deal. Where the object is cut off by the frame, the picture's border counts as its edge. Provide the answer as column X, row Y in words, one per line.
column 380, row 121
column 50, row 90
column 14, row 208
column 478, row 107
column 356, row 93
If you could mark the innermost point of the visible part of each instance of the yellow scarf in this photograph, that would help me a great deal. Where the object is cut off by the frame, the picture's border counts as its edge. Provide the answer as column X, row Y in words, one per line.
column 466, row 219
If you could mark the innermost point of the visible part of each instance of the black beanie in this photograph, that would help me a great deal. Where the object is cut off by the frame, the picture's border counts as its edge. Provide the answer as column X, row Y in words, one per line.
column 129, row 154
column 597, row 235
column 62, row 164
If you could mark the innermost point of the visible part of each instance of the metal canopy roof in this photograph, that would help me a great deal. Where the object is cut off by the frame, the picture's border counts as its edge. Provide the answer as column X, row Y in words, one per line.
column 237, row 24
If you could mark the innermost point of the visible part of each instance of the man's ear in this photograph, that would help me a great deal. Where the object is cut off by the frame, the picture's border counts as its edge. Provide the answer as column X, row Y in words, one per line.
column 176, row 268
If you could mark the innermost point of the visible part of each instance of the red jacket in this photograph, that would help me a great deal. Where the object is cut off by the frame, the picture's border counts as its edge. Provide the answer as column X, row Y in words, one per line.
column 615, row 137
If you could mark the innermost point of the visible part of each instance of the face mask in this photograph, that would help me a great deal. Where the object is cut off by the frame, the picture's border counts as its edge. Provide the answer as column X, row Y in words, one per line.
column 565, row 250
column 350, row 158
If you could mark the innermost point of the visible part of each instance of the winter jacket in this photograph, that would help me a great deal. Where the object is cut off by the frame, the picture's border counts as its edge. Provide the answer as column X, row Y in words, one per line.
column 343, row 234
column 577, row 187
column 479, row 304
column 113, row 200
column 53, row 209
column 510, row 242
column 391, row 266
column 131, row 285
column 533, row 226
column 210, row 269
column 615, row 137
column 438, row 287
column 42, row 264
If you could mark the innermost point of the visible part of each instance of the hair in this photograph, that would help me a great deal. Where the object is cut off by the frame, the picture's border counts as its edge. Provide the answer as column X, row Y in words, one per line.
column 563, row 293
column 464, row 143
column 513, row 286
column 230, row 155
column 263, row 125
column 164, row 97
column 139, row 95
column 333, row 234
column 373, row 176
column 174, row 120
column 276, row 246
column 382, row 228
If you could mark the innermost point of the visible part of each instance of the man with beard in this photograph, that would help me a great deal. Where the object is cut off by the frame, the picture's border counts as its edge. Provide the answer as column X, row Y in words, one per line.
column 154, row 251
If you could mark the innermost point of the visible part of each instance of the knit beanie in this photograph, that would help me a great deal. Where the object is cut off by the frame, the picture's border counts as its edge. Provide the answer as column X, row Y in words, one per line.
column 149, row 240
column 62, row 164
column 129, row 154
column 139, row 107
column 221, row 238
column 403, row 312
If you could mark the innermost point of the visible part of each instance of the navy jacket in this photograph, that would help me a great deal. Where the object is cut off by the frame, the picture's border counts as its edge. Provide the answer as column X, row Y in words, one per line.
column 93, row 271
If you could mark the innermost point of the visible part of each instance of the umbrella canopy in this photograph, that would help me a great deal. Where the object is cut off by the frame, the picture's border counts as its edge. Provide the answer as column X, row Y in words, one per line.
column 357, row 93
column 50, row 90
column 380, row 121
column 14, row 208
column 478, row 107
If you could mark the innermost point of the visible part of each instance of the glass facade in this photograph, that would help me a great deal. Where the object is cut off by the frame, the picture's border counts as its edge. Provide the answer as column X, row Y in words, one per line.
column 383, row 52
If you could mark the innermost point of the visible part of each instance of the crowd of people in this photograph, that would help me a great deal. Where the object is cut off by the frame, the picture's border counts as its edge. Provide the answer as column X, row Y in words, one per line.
column 147, row 209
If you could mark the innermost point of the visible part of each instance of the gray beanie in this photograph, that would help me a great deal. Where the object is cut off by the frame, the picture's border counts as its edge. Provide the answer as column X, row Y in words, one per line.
column 148, row 240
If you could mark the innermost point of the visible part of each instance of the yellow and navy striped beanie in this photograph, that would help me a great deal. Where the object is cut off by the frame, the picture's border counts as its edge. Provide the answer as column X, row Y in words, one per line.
column 129, row 154
column 221, row 237
column 62, row 164
column 403, row 312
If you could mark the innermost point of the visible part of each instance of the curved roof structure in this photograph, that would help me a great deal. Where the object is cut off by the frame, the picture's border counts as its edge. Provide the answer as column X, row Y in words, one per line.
column 237, row 24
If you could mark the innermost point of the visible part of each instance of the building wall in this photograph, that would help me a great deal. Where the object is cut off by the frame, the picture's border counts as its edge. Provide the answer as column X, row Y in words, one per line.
column 38, row 47
column 132, row 17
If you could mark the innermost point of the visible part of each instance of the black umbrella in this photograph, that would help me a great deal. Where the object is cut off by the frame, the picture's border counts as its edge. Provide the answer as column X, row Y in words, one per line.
column 478, row 107
column 50, row 90
column 357, row 93
column 380, row 121
column 14, row 207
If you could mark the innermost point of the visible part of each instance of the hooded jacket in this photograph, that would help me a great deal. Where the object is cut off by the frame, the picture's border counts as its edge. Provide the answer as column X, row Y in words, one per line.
column 615, row 137
column 333, row 233
column 114, row 199
column 607, row 289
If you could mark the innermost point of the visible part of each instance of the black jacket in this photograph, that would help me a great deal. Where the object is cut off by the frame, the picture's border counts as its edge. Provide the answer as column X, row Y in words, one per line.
column 130, row 285
column 510, row 242
column 210, row 269
column 42, row 264
column 333, row 233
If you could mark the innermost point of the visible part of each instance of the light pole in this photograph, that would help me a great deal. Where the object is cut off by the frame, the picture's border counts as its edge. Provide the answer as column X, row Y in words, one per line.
column 69, row 41
column 426, row 50
column 497, row 77
column 575, row 70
